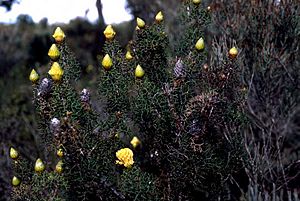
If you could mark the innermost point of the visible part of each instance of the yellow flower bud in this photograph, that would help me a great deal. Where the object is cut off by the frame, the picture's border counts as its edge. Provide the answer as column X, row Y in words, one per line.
column 60, row 153
column 196, row 2
column 109, row 32
column 15, row 181
column 39, row 166
column 200, row 44
column 128, row 55
column 137, row 28
column 141, row 23
column 14, row 154
column 59, row 35
column 33, row 77
column 107, row 62
column 58, row 167
column 125, row 157
column 53, row 53
column 159, row 17
column 135, row 142
column 56, row 72
column 233, row 52
column 139, row 72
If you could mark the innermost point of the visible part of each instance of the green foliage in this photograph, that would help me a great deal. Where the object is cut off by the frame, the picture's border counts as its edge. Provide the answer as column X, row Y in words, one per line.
column 54, row 187
column 139, row 185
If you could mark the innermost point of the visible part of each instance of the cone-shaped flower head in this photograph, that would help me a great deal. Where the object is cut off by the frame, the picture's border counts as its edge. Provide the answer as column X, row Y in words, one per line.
column 14, row 154
column 59, row 35
column 159, row 17
column 34, row 76
column 15, row 181
column 45, row 87
column 56, row 72
column 200, row 44
column 135, row 142
column 59, row 167
column 141, row 23
column 196, row 2
column 54, row 53
column 107, row 62
column 139, row 72
column 109, row 32
column 39, row 165
column 55, row 126
column 60, row 152
column 85, row 95
column 125, row 157
column 233, row 52
column 128, row 55
column 179, row 69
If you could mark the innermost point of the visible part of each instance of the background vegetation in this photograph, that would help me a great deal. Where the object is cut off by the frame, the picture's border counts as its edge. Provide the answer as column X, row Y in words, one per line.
column 251, row 144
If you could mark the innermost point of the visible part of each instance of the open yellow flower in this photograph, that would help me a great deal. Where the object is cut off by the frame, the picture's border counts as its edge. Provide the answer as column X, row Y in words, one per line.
column 59, row 35
column 54, row 53
column 128, row 55
column 125, row 157
column 34, row 76
column 15, row 181
column 200, row 44
column 39, row 166
column 233, row 52
column 107, row 62
column 159, row 17
column 139, row 72
column 14, row 154
column 135, row 142
column 109, row 32
column 56, row 72
column 141, row 23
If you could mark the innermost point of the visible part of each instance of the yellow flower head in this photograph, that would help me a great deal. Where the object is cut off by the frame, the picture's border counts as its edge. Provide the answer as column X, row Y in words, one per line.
column 39, row 165
column 107, row 62
column 139, row 72
column 33, row 77
column 109, row 32
column 14, row 154
column 53, row 53
column 141, row 23
column 60, row 153
column 196, row 2
column 59, row 35
column 125, row 157
column 233, row 52
column 15, row 181
column 135, row 142
column 56, row 72
column 200, row 44
column 58, row 167
column 128, row 55
column 159, row 17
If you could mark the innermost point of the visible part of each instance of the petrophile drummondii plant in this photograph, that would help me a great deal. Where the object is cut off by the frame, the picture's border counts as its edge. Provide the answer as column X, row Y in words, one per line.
column 170, row 123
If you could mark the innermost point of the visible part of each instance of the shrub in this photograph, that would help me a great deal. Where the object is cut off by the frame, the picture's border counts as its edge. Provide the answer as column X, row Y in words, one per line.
column 171, row 120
